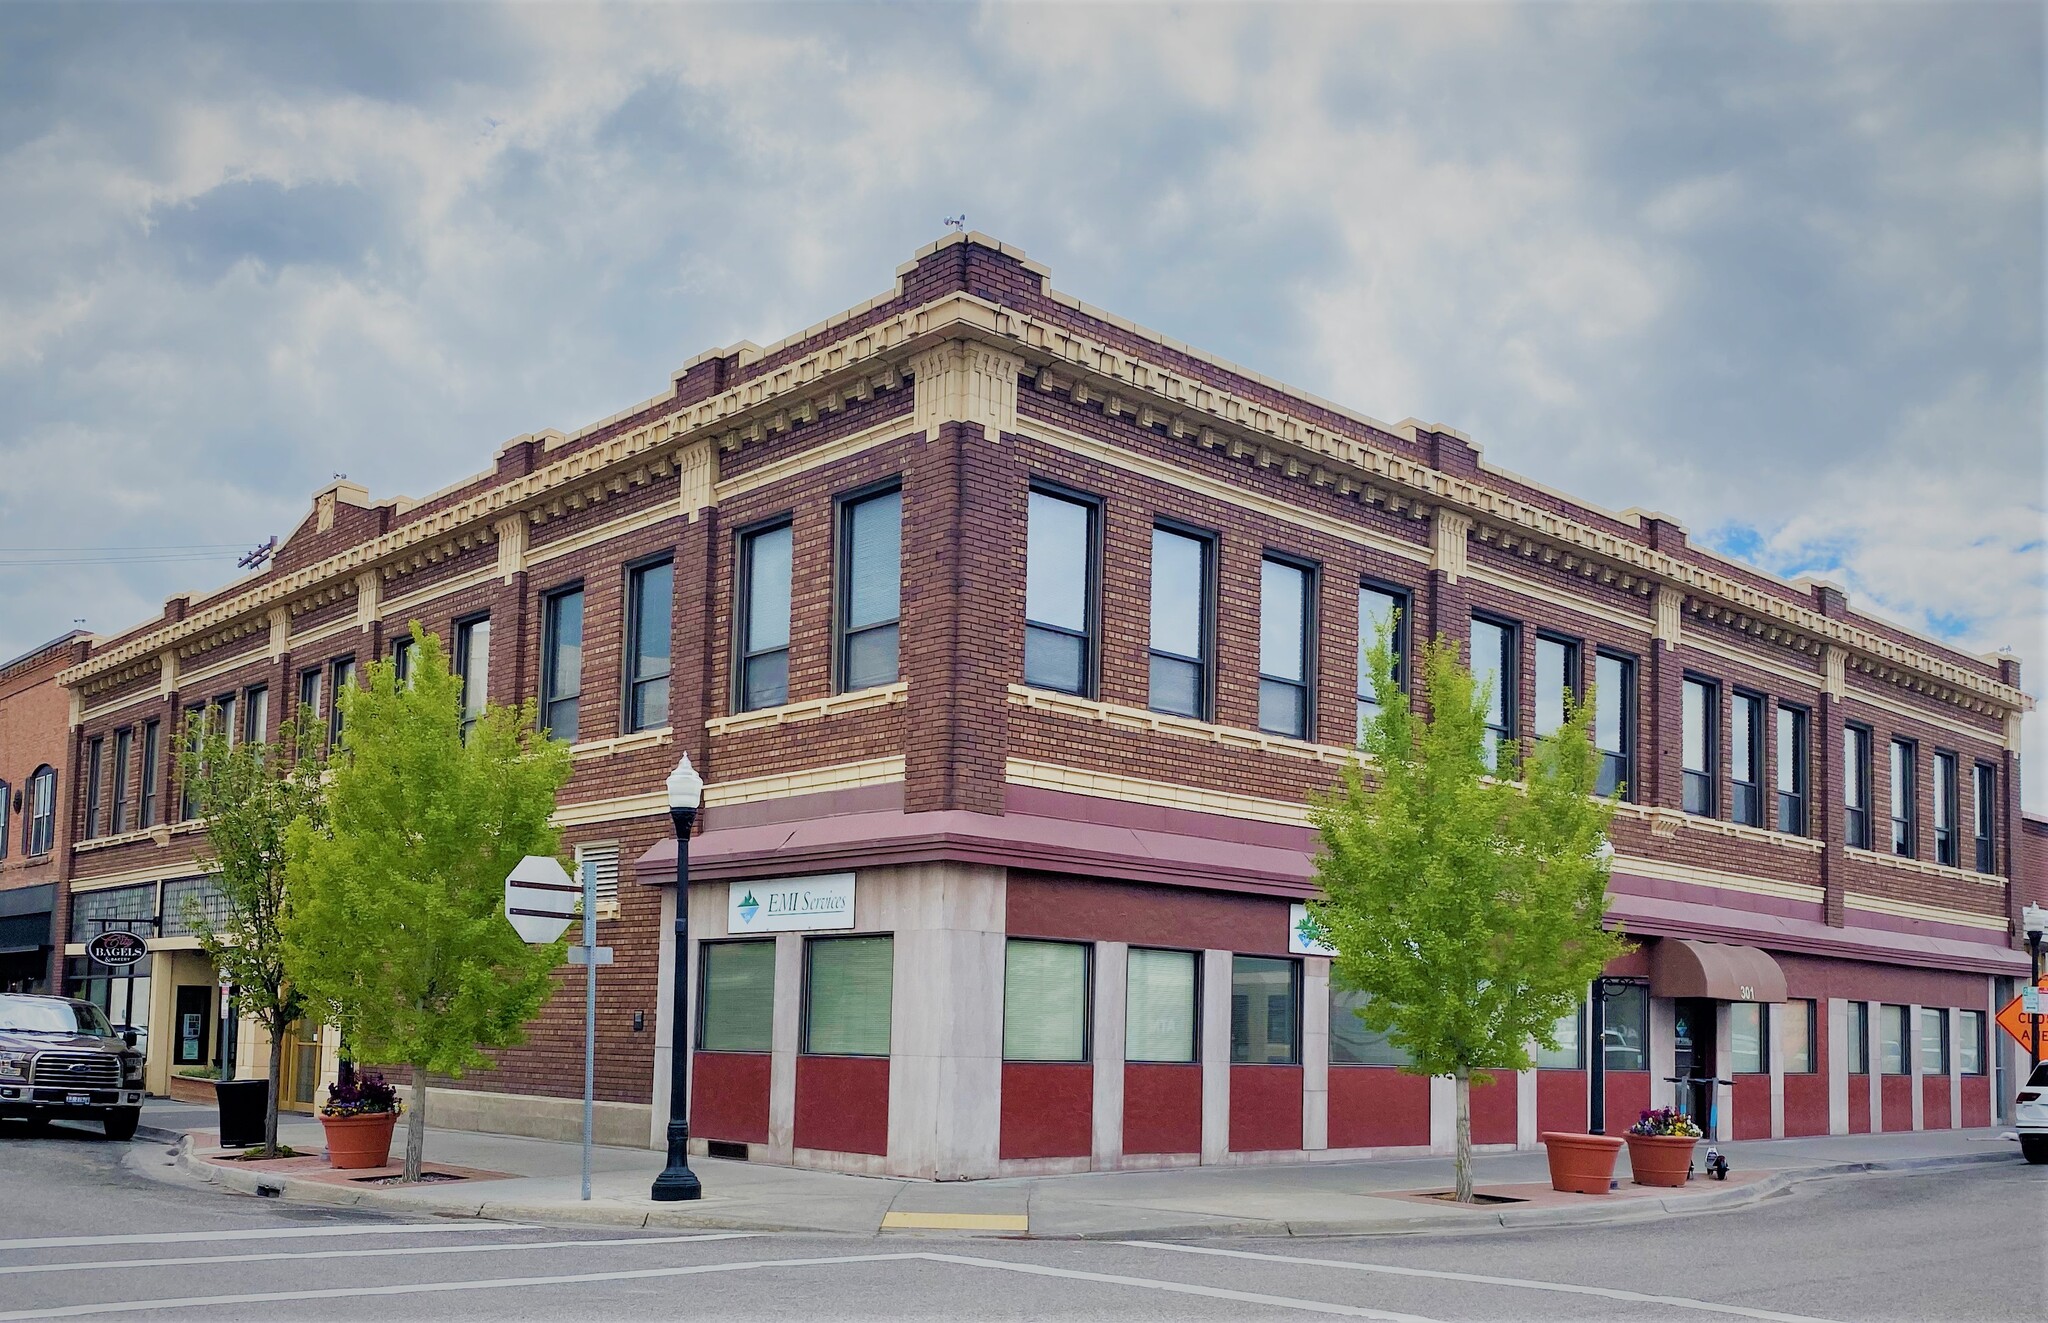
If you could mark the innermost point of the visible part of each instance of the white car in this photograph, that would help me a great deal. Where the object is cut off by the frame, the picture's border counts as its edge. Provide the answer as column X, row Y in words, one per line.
column 2030, row 1116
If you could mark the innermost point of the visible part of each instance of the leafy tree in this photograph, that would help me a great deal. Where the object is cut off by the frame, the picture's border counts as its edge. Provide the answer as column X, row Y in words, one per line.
column 250, row 794
column 398, row 924
column 1466, row 906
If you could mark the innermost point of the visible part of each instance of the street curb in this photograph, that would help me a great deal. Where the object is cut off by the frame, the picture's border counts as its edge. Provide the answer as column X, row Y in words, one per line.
column 301, row 1190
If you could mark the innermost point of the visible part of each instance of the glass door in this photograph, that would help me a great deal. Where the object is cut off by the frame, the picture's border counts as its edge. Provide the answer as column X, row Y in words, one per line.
column 299, row 1088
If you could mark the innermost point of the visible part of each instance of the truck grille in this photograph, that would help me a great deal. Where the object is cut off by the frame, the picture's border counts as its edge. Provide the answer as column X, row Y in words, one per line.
column 76, row 1070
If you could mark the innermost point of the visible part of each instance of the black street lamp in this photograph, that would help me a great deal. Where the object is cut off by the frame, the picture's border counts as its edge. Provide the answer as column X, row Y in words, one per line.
column 2035, row 919
column 677, row 1182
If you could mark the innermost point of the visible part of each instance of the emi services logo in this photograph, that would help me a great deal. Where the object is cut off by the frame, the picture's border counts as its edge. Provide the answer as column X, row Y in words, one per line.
column 748, row 907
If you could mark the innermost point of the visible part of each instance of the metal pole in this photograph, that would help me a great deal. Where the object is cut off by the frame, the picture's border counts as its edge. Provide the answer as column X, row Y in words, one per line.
column 1596, row 1064
column 677, row 1182
column 2034, row 1021
column 589, row 1013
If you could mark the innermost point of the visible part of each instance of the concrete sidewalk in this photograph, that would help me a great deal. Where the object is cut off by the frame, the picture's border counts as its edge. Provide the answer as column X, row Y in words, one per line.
column 541, row 1183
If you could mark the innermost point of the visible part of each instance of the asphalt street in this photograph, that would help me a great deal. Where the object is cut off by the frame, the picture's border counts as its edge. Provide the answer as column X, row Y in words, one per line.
column 86, row 1230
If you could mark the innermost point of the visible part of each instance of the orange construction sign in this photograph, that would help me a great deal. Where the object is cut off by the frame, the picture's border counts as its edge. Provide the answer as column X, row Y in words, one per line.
column 2013, row 1018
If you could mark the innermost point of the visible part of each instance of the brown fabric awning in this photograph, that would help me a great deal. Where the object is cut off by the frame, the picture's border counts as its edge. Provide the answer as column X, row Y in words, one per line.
column 1682, row 968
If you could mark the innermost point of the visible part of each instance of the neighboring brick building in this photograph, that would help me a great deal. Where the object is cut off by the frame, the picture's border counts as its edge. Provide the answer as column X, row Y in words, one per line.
column 35, row 719
column 1010, row 638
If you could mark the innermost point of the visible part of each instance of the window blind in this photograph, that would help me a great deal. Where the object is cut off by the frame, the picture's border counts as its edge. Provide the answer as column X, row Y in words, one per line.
column 1045, row 1001
column 1159, row 1006
column 852, row 980
column 738, row 1005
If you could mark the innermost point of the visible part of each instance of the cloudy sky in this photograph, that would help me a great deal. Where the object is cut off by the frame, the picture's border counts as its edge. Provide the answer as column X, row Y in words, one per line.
column 1775, row 270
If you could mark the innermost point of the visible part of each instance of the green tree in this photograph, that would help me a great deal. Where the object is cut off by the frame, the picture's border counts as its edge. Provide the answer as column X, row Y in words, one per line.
column 397, row 926
column 1466, row 905
column 250, row 793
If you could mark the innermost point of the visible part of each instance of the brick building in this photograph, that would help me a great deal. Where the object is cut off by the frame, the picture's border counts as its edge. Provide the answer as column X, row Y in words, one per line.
column 35, row 719
column 1010, row 638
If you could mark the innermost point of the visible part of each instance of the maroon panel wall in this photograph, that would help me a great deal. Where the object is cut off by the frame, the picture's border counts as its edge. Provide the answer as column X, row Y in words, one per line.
column 1752, row 1104
column 1561, row 1101
column 1376, row 1107
column 1806, row 1104
column 1859, row 1104
column 1934, row 1112
column 1162, row 1108
column 729, row 1096
column 1084, row 909
column 1976, row 1100
column 1265, row 1108
column 842, row 1104
column 1494, row 1109
column 1628, row 1097
column 1048, row 1109
column 1897, row 1102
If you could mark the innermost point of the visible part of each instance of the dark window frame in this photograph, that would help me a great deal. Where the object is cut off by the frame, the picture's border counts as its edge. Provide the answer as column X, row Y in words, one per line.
column 1311, row 593
column 341, row 671
column 1856, row 821
column 124, row 753
column 1397, row 644
column 311, row 678
column 1905, row 839
column 742, row 614
column 1812, row 1005
column 1508, row 736
column 40, row 834
column 1574, row 684
column 1622, row 764
column 1205, row 665
column 1087, row 1056
column 1908, row 1043
column 147, row 781
column 1746, row 797
column 550, row 644
column 1948, row 794
column 1199, row 964
column 1970, row 1025
column 1090, row 636
column 464, row 628
column 400, row 651
column 1791, row 805
column 1294, row 965
column 188, row 779
column 1701, row 785
column 842, row 581
column 1984, row 814
column 255, row 731
column 95, row 783
column 6, row 816
column 703, row 1004
column 811, row 941
column 631, row 683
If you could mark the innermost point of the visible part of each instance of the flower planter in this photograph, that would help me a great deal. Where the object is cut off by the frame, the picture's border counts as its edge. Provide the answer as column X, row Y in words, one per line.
column 358, row 1142
column 1660, row 1159
column 1581, row 1164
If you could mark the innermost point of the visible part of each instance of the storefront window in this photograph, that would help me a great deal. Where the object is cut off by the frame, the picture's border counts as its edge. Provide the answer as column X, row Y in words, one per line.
column 848, row 986
column 1859, row 1038
column 186, row 894
column 1351, row 1043
column 1045, row 1001
column 1159, row 1006
column 1626, row 1032
column 1746, row 1024
column 1933, row 1040
column 736, row 1012
column 1970, row 1043
column 1796, row 1038
column 1569, row 1053
column 1891, row 1039
column 1265, row 997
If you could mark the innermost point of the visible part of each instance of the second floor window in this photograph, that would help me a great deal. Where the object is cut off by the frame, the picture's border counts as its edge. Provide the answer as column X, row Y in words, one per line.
column 1493, row 671
column 650, row 594
column 1856, row 787
column 1557, row 664
column 95, row 783
column 309, row 695
column 561, row 676
column 1380, row 613
column 226, row 719
column 870, row 590
column 473, row 665
column 6, row 815
column 124, row 750
column 1946, row 846
column 1285, row 611
column 401, row 660
column 1985, row 811
column 256, row 714
column 1746, row 760
column 1059, row 593
column 1180, row 623
column 188, row 764
column 1614, row 704
column 42, row 811
column 146, row 800
column 1698, row 706
column 341, row 675
column 1792, row 771
column 1905, row 826
column 764, row 617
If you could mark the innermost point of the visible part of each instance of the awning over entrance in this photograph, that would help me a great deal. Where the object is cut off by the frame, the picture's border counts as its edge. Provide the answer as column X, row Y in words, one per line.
column 1682, row 968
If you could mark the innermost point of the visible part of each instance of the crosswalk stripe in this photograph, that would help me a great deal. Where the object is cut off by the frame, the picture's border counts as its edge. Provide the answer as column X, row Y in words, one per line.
column 261, row 1233
column 380, row 1253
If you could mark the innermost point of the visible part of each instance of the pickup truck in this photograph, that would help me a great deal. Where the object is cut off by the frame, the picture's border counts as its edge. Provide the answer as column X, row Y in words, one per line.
column 60, row 1058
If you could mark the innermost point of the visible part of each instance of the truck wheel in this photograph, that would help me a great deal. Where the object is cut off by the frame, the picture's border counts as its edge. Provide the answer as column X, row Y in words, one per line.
column 2034, row 1148
column 120, row 1125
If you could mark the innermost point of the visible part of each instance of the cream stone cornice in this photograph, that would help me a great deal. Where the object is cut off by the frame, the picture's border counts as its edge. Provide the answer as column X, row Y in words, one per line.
column 1667, row 823
column 1207, row 732
column 1967, row 877
column 1907, row 909
column 804, row 781
column 833, row 705
column 586, row 750
column 1279, row 439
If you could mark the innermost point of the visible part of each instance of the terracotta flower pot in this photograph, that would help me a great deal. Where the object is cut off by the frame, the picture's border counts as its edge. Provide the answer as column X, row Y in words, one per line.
column 1660, row 1159
column 1581, row 1164
column 357, row 1142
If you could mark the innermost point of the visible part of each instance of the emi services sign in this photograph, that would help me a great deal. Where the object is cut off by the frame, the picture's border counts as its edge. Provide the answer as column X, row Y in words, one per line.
column 790, row 904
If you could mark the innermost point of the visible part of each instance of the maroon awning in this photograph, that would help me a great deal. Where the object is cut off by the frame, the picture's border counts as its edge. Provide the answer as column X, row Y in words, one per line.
column 1723, row 972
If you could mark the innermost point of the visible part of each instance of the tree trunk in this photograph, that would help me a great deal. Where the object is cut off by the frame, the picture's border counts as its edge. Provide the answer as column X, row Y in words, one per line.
column 276, row 1081
column 1462, row 1084
column 416, row 1125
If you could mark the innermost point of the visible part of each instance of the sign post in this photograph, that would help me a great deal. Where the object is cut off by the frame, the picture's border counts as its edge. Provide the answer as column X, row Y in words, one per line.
column 540, row 900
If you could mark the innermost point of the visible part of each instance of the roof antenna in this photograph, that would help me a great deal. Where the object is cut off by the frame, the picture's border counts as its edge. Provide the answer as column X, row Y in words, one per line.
column 257, row 557
column 957, row 224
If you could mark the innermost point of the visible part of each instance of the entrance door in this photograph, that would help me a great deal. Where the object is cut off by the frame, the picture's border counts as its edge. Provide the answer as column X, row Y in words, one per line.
column 301, row 1067
column 194, row 1024
column 1693, row 1056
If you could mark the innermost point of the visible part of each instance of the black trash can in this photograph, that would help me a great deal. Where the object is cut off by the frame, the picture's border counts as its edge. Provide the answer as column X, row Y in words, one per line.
column 243, row 1106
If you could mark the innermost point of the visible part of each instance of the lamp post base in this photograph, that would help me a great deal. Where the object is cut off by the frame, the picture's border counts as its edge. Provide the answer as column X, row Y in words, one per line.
column 677, row 1183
